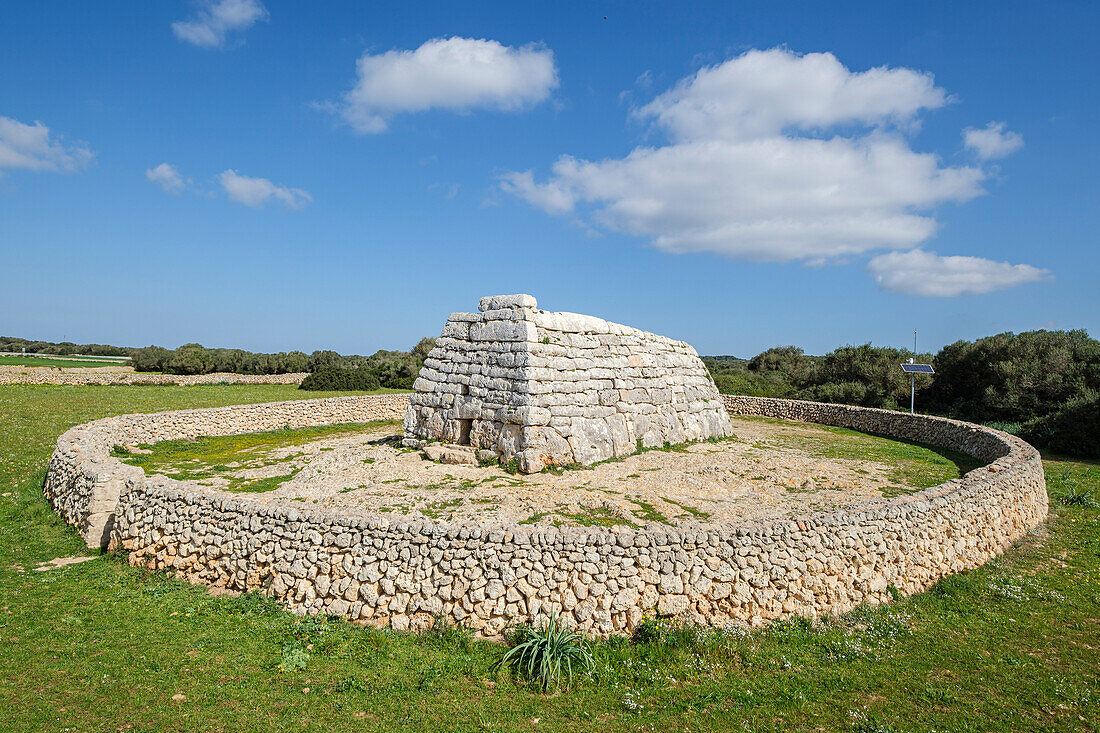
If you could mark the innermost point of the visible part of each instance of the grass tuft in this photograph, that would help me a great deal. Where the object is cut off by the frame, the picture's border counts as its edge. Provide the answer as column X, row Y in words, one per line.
column 548, row 656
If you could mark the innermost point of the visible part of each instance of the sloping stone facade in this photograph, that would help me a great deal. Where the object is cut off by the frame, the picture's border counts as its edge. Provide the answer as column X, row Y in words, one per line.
column 559, row 388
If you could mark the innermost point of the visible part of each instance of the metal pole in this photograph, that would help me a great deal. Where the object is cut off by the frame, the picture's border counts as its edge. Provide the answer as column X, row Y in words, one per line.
column 913, row 377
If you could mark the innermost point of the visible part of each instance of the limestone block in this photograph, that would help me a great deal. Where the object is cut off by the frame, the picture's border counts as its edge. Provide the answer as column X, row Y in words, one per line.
column 503, row 331
column 455, row 329
column 496, row 302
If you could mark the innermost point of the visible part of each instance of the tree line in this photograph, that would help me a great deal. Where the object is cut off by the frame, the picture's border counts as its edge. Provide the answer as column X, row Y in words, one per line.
column 393, row 369
column 63, row 348
column 1041, row 385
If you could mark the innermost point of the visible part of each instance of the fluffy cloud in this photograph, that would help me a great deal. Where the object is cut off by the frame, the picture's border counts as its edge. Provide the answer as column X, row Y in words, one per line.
column 763, row 93
column 992, row 141
column 31, row 147
column 216, row 19
column 167, row 177
column 773, row 156
column 926, row 273
column 256, row 192
column 457, row 74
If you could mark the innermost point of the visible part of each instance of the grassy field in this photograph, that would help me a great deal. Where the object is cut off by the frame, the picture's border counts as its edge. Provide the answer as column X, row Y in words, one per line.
column 45, row 361
column 1013, row 646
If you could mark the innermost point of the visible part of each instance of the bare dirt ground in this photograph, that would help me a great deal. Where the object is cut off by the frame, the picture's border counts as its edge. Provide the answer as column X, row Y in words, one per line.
column 761, row 473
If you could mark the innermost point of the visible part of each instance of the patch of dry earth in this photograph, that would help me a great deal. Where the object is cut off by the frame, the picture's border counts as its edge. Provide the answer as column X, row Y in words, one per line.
column 729, row 482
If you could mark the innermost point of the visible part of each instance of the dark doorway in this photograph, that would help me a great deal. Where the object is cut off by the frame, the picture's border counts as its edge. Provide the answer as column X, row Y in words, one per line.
column 464, row 431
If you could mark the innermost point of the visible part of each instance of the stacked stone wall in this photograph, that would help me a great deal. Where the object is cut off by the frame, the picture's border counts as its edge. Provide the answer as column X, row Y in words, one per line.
column 559, row 388
column 383, row 570
column 45, row 375
column 84, row 481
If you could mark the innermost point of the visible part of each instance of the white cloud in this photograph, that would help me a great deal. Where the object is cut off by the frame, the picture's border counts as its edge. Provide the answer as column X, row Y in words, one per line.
column 926, row 273
column 762, row 93
column 167, row 177
column 256, row 192
column 457, row 74
column 773, row 157
column 551, row 197
column 216, row 19
column 992, row 141
column 31, row 147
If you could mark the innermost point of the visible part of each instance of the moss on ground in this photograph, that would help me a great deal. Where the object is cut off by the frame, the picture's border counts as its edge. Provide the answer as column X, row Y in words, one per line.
column 226, row 455
column 917, row 466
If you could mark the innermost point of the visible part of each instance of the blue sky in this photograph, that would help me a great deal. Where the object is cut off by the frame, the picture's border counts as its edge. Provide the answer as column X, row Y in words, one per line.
column 738, row 175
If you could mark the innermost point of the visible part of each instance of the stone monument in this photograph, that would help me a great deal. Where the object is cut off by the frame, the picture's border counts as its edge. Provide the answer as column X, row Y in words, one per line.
column 513, row 382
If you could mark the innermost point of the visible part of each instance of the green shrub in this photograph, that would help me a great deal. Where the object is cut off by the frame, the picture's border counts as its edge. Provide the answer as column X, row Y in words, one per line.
column 752, row 384
column 548, row 656
column 319, row 360
column 338, row 379
column 1072, row 430
column 191, row 359
column 1014, row 377
column 1012, row 428
column 150, row 359
column 1075, row 496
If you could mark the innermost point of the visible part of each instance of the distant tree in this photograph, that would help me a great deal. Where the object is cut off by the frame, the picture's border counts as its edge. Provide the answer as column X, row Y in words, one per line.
column 233, row 361
column 150, row 359
column 422, row 348
column 1014, row 377
column 295, row 361
column 790, row 361
column 320, row 359
column 191, row 359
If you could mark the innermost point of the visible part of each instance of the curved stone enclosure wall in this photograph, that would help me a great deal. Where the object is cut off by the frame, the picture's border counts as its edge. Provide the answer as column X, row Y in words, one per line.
column 84, row 482
column 383, row 570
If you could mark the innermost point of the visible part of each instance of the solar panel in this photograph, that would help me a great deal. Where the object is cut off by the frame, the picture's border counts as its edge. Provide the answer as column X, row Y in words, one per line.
column 918, row 368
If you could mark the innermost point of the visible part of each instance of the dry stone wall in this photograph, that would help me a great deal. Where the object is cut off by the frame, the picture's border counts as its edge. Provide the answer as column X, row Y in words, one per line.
column 389, row 571
column 559, row 388
column 44, row 375
column 84, row 481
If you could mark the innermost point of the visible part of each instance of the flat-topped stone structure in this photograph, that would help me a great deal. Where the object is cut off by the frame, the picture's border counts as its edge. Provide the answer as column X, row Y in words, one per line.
column 559, row 388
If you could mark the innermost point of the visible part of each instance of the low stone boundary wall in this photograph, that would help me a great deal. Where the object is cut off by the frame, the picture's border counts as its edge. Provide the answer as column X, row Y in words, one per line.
column 84, row 482
column 386, row 570
column 45, row 375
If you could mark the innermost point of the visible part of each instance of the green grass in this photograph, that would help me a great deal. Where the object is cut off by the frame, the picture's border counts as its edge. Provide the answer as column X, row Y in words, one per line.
column 693, row 511
column 596, row 517
column 647, row 512
column 45, row 361
column 1011, row 646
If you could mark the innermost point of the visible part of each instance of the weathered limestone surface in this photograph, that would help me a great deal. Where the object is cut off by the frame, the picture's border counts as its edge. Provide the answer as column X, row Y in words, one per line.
column 559, row 388
column 388, row 571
